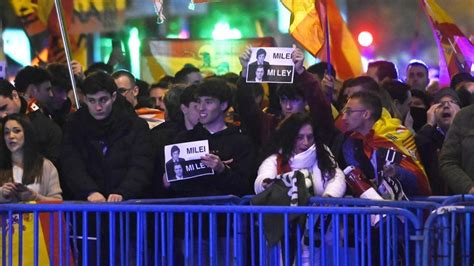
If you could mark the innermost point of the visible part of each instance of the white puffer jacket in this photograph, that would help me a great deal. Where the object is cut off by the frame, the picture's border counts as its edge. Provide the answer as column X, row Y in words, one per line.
column 334, row 187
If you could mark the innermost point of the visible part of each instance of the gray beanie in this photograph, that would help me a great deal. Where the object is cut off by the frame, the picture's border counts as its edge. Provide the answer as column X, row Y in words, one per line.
column 447, row 92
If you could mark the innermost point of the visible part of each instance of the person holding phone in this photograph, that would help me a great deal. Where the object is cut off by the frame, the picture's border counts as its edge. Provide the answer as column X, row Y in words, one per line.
column 25, row 175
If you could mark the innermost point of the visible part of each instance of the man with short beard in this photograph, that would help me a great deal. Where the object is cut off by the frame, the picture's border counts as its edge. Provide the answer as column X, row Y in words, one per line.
column 431, row 136
column 417, row 75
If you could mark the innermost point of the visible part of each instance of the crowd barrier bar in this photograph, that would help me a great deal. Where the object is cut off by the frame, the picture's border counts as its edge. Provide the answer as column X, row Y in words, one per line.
column 447, row 233
column 436, row 199
column 167, row 212
column 210, row 200
column 458, row 199
column 419, row 208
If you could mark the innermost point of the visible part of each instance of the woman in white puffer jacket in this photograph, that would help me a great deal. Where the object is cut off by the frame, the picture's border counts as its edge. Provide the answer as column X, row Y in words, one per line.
column 295, row 146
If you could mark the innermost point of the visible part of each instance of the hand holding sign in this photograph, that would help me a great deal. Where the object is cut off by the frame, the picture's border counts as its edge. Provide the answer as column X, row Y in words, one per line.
column 184, row 161
column 214, row 162
column 298, row 58
column 244, row 59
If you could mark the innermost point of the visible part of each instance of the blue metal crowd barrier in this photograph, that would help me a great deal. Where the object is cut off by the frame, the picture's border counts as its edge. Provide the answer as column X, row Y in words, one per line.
column 136, row 234
column 459, row 199
column 420, row 208
column 436, row 199
column 448, row 236
column 210, row 200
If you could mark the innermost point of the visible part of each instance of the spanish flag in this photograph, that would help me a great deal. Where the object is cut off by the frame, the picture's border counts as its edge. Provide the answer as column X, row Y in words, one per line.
column 389, row 133
column 308, row 27
column 456, row 52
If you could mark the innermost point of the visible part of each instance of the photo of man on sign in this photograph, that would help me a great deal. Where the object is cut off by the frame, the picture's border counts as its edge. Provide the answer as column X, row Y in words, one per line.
column 269, row 64
column 183, row 160
column 258, row 68
column 175, row 160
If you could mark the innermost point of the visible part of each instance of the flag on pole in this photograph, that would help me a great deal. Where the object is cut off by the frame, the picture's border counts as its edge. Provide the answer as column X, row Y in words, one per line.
column 456, row 52
column 39, row 17
column 308, row 27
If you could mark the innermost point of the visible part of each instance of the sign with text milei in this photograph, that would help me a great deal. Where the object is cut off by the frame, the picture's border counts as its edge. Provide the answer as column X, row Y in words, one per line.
column 270, row 64
column 183, row 160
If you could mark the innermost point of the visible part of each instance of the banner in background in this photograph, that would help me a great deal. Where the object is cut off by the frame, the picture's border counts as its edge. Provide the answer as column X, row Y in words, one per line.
column 166, row 57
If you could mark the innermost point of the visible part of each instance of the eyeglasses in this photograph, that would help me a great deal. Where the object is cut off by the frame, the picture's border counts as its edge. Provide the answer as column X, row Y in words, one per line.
column 442, row 103
column 349, row 111
column 123, row 90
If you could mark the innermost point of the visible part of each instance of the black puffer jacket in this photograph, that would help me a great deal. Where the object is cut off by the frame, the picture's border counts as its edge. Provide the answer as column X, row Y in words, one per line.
column 112, row 156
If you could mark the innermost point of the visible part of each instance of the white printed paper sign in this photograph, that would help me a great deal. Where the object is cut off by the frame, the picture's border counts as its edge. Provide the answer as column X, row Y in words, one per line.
column 183, row 160
column 271, row 65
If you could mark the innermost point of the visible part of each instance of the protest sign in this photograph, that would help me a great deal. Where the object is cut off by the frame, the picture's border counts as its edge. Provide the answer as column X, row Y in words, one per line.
column 272, row 65
column 183, row 160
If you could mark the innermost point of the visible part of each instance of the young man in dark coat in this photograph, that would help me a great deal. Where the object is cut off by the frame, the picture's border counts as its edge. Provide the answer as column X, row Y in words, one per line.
column 107, row 151
column 232, row 154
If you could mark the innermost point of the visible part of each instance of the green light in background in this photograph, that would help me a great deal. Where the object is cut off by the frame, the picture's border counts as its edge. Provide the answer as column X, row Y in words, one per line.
column 222, row 31
column 283, row 18
column 134, row 48
column 17, row 46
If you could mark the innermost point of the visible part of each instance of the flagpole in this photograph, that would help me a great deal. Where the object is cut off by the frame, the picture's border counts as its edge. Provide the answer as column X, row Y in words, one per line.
column 328, row 47
column 67, row 50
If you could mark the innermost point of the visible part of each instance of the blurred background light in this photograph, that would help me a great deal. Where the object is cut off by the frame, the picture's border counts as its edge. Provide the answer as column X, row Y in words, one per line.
column 365, row 38
column 17, row 46
column 134, row 48
column 222, row 31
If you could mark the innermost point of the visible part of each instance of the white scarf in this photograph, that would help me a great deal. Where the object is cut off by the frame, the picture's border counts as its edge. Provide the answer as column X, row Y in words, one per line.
column 308, row 160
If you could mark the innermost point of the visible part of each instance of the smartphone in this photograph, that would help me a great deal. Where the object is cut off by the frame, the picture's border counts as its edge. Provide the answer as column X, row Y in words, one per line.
column 20, row 187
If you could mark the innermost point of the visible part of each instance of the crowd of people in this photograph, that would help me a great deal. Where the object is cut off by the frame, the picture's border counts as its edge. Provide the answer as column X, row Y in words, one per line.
column 407, row 138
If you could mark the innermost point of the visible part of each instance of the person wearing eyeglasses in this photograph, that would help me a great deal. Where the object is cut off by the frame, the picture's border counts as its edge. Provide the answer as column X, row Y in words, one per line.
column 431, row 136
column 128, row 88
column 126, row 85
column 382, row 148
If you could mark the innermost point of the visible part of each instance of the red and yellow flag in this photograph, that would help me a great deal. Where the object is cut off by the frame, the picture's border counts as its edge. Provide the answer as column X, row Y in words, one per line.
column 81, row 16
column 160, row 57
column 308, row 27
column 456, row 52
column 389, row 133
